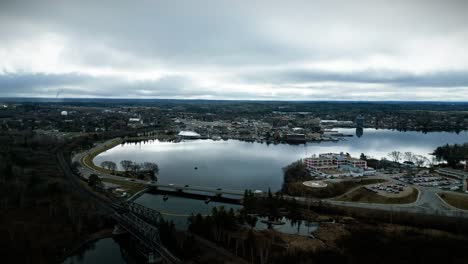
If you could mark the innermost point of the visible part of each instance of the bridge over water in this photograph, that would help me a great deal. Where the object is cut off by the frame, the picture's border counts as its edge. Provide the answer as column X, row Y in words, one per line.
column 141, row 222
column 180, row 187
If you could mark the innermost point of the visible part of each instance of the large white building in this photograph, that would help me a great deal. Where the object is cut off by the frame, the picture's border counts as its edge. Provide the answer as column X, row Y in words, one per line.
column 189, row 134
column 341, row 164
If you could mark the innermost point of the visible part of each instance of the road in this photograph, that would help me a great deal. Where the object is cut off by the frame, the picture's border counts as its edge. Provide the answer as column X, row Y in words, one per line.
column 428, row 202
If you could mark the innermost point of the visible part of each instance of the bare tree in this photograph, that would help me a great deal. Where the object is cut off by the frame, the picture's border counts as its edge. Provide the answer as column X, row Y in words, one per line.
column 395, row 155
column 151, row 167
column 420, row 160
column 409, row 156
column 110, row 165
column 126, row 165
column 135, row 167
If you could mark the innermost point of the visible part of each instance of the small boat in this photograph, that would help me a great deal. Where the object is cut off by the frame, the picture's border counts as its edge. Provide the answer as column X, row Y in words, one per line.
column 165, row 197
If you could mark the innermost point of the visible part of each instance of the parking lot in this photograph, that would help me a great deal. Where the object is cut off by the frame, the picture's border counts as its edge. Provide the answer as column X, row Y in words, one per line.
column 390, row 189
column 429, row 180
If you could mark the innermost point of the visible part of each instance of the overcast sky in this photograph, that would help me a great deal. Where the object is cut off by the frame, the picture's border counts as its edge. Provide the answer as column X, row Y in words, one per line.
column 280, row 50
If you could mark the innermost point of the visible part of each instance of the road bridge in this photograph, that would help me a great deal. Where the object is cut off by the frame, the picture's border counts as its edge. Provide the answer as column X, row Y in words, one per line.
column 179, row 187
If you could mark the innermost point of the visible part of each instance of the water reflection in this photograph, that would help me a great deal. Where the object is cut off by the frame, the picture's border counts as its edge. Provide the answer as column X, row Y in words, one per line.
column 242, row 165
column 359, row 132
column 102, row 251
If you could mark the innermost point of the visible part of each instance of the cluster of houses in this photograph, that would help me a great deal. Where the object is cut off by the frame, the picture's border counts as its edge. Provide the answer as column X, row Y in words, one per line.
column 335, row 165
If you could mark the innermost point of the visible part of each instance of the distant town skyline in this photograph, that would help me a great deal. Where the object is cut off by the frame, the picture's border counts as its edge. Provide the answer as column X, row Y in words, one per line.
column 243, row 50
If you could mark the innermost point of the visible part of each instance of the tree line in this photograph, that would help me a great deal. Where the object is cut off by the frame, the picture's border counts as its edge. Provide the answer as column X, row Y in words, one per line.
column 452, row 154
column 134, row 169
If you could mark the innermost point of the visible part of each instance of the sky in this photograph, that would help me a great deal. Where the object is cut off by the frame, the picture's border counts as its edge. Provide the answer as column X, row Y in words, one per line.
column 223, row 49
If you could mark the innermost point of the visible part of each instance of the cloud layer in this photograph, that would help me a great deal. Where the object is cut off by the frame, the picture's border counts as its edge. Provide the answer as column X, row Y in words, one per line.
column 280, row 50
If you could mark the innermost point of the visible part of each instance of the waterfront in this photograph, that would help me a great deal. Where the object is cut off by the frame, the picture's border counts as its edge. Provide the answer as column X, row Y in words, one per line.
column 239, row 165
column 105, row 250
column 242, row 165
column 177, row 210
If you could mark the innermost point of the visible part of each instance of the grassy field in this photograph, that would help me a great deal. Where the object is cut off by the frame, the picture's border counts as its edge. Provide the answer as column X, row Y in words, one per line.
column 456, row 200
column 332, row 190
column 88, row 159
column 131, row 187
column 365, row 196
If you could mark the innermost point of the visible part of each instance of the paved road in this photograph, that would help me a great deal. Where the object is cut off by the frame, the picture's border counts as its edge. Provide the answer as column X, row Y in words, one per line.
column 427, row 203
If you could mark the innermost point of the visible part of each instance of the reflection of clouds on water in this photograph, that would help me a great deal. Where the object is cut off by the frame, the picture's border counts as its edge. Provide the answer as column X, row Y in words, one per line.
column 240, row 165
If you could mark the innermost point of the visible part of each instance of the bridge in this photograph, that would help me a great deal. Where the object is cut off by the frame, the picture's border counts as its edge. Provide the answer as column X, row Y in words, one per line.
column 180, row 188
column 141, row 222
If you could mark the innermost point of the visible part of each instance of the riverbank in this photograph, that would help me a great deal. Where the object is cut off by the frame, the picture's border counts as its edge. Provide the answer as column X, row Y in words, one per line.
column 105, row 233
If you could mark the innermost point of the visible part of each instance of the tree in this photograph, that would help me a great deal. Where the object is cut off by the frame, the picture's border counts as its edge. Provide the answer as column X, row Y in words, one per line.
column 126, row 165
column 151, row 167
column 420, row 160
column 453, row 154
column 94, row 180
column 363, row 157
column 395, row 155
column 135, row 167
column 409, row 156
column 110, row 165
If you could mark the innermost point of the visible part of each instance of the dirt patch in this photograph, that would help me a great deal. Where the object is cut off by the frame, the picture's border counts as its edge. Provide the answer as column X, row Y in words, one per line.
column 456, row 200
column 333, row 189
column 364, row 195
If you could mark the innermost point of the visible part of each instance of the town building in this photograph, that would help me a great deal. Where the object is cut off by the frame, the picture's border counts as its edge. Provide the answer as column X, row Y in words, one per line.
column 189, row 135
column 295, row 138
column 359, row 121
column 333, row 164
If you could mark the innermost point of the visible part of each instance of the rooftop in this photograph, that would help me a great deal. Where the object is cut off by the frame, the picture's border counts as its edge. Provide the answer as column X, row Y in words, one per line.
column 188, row 134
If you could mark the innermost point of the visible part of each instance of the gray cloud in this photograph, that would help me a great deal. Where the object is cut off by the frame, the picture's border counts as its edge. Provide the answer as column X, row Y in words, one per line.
column 209, row 48
column 436, row 79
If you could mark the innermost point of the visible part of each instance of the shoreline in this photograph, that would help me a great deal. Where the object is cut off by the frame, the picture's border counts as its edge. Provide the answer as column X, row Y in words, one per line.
column 93, row 237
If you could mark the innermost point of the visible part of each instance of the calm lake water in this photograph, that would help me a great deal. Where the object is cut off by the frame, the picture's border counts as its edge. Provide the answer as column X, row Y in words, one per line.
column 102, row 251
column 178, row 209
column 241, row 165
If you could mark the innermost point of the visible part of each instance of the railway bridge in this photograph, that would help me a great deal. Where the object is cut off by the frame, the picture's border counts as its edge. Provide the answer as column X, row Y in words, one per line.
column 141, row 222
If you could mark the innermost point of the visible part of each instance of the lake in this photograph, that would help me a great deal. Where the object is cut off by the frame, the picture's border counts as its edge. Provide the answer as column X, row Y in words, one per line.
column 242, row 165
column 237, row 164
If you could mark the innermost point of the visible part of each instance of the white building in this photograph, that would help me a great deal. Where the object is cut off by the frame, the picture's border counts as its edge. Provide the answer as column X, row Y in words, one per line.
column 344, row 164
column 189, row 134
